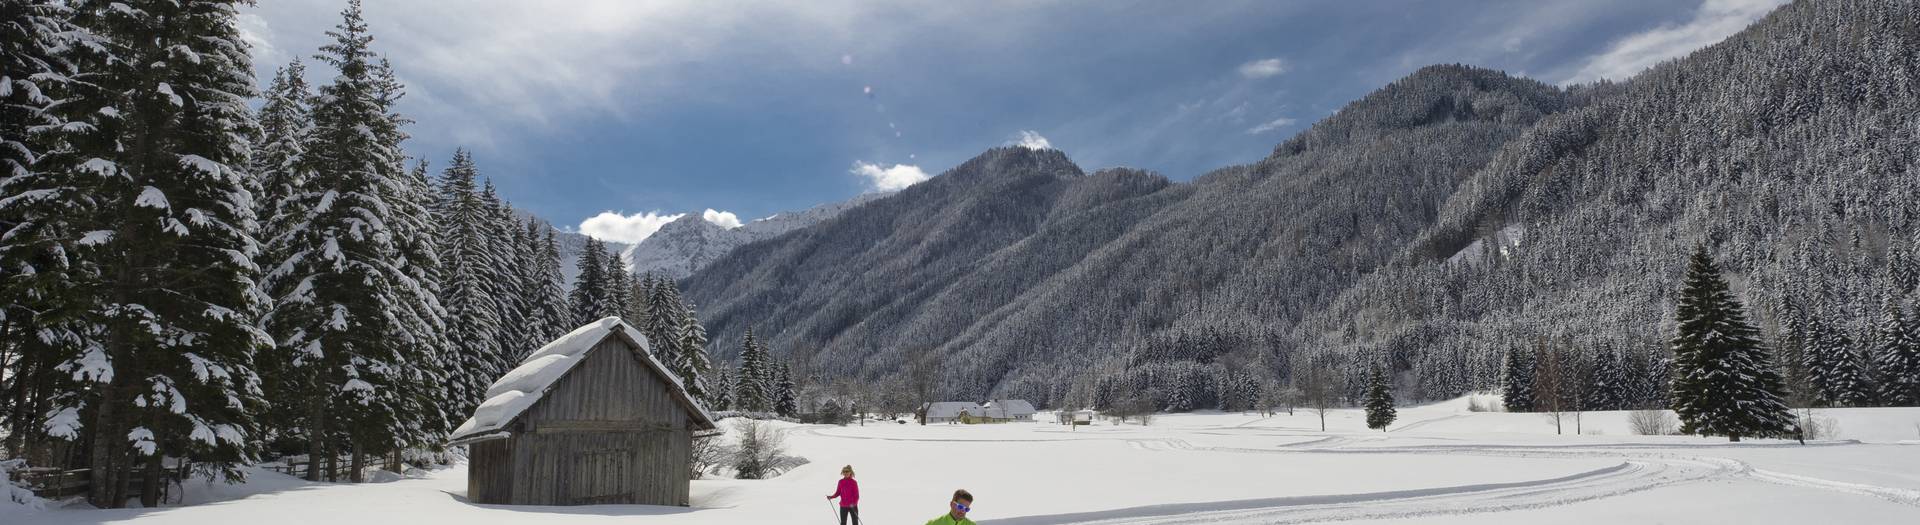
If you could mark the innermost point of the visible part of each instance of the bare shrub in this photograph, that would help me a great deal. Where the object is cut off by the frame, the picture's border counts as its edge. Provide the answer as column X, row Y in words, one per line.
column 1652, row 423
column 1814, row 426
column 761, row 452
column 708, row 452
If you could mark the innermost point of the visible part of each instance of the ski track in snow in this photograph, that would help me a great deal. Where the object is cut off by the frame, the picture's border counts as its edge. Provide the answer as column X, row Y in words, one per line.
column 1640, row 469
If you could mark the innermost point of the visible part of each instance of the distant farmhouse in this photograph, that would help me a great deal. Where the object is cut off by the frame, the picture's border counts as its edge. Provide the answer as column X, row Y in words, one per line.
column 967, row 412
column 590, row 418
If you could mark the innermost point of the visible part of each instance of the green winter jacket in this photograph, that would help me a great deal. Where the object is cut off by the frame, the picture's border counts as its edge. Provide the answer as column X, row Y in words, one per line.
column 947, row 519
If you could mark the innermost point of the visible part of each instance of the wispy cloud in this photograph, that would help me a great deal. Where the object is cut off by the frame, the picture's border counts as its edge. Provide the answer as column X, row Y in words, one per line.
column 1031, row 140
column 620, row 227
column 1713, row 21
column 1271, row 125
column 890, row 178
column 1263, row 68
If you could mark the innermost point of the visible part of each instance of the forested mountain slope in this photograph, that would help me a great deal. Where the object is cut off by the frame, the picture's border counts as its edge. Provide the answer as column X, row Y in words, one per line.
column 1433, row 225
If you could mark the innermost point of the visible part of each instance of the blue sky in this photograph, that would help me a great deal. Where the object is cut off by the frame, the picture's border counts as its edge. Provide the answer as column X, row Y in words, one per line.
column 649, row 109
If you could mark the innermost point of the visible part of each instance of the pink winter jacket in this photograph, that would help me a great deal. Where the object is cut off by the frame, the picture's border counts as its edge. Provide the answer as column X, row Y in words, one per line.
column 848, row 492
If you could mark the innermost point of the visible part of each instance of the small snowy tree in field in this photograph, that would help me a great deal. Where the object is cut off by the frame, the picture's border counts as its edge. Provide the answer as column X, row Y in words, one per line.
column 1899, row 358
column 1380, row 411
column 1723, row 383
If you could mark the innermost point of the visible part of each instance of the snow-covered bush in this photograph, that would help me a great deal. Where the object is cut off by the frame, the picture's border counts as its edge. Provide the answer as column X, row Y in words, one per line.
column 1652, row 423
column 760, row 452
column 17, row 495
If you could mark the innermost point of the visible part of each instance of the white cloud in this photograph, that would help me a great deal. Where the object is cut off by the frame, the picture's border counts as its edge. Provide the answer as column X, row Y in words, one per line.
column 1271, row 125
column 1263, row 68
column 615, row 226
column 725, row 219
column 896, row 177
column 1032, row 140
column 1713, row 22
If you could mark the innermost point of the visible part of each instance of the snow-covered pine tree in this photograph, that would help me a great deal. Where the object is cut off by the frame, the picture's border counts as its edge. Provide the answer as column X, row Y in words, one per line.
column 588, row 298
column 503, row 235
column 1517, row 381
column 722, row 398
column 752, row 391
column 618, row 293
column 286, row 120
column 40, row 302
column 145, row 205
column 354, row 320
column 1899, row 357
column 1833, row 363
column 786, row 401
column 661, row 318
column 552, row 317
column 699, row 366
column 1607, row 384
column 418, row 400
column 1380, row 411
column 1723, row 382
column 469, row 262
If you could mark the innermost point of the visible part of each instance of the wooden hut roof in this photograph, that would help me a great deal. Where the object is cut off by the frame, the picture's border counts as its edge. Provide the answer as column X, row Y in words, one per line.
column 520, row 389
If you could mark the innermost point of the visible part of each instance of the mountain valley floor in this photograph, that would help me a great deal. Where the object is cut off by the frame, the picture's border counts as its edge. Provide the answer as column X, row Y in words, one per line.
column 1440, row 463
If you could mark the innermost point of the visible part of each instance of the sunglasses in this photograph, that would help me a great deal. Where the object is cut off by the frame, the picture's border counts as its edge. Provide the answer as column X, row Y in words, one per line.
column 962, row 506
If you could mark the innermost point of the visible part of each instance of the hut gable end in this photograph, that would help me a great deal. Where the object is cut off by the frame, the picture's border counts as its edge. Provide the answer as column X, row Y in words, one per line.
column 609, row 391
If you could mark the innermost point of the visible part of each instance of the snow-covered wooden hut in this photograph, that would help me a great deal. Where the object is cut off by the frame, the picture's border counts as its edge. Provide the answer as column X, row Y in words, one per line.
column 590, row 418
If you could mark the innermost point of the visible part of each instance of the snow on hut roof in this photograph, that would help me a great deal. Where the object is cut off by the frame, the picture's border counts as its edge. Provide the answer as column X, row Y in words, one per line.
column 513, row 393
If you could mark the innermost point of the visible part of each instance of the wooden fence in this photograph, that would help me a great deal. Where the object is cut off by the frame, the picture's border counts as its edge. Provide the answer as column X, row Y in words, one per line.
column 54, row 484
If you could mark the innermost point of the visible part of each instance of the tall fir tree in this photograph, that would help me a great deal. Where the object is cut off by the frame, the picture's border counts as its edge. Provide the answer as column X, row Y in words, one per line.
column 1723, row 382
column 42, row 321
column 286, row 122
column 417, row 400
column 1517, row 379
column 1834, row 367
column 1379, row 402
column 722, row 398
column 1606, row 384
column 618, row 292
column 693, row 349
column 588, row 298
column 470, row 261
column 1899, row 357
column 786, row 401
column 752, row 391
column 354, row 306
column 552, row 317
column 145, row 208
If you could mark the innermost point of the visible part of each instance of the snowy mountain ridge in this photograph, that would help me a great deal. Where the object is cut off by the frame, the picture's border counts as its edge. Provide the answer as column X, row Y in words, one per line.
column 691, row 242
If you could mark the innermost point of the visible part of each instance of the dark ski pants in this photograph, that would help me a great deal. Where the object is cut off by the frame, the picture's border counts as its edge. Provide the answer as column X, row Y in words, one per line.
column 849, row 511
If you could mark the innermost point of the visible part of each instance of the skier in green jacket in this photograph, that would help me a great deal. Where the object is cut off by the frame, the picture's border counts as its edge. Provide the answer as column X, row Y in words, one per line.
column 956, row 510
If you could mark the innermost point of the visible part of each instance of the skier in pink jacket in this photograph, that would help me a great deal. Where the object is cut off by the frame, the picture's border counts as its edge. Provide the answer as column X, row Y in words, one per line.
column 849, row 494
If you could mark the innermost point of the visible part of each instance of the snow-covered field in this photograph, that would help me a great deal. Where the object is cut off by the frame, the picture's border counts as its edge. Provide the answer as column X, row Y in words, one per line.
column 1440, row 464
